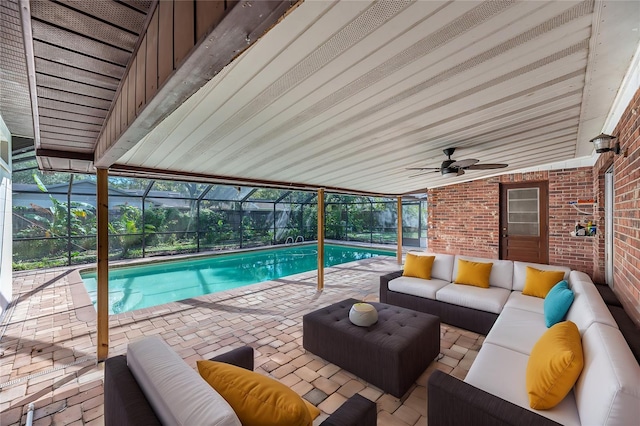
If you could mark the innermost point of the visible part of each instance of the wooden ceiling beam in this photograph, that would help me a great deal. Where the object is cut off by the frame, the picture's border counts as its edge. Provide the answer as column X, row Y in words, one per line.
column 137, row 113
column 69, row 155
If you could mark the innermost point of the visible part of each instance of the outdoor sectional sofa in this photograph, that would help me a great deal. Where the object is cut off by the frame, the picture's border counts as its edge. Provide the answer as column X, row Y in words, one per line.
column 494, row 392
column 151, row 385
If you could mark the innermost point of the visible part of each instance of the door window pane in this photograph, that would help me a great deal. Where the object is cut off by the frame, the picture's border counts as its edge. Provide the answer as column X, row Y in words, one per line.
column 522, row 212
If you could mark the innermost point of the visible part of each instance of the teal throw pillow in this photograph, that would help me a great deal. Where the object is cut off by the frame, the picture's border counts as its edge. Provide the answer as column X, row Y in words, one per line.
column 557, row 303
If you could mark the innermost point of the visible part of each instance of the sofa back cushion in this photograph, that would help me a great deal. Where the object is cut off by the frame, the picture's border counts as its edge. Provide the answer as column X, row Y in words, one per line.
column 442, row 266
column 608, row 390
column 177, row 393
column 501, row 271
column 588, row 306
column 520, row 272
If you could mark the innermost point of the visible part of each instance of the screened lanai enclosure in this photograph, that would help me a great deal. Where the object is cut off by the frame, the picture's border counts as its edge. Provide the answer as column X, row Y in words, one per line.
column 54, row 217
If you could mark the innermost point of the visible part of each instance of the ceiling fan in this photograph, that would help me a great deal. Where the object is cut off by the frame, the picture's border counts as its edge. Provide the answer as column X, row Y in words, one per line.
column 452, row 168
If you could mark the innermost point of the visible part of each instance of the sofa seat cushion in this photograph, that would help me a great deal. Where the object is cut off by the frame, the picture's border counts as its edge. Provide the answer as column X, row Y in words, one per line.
column 520, row 272
column 526, row 303
column 501, row 271
column 517, row 329
column 608, row 390
column 501, row 372
column 177, row 393
column 490, row 299
column 588, row 306
column 417, row 286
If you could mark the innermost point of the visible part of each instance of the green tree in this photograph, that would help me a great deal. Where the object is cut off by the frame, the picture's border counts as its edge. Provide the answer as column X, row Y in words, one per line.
column 128, row 229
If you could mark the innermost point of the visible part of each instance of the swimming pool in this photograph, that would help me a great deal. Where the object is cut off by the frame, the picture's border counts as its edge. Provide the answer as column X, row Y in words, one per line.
column 142, row 286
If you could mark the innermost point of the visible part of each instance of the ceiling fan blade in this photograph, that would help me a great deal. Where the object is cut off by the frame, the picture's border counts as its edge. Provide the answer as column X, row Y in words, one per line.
column 422, row 168
column 463, row 164
column 487, row 166
column 425, row 172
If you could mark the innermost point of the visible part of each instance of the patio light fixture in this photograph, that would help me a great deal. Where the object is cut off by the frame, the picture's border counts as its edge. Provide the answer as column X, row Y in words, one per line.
column 603, row 142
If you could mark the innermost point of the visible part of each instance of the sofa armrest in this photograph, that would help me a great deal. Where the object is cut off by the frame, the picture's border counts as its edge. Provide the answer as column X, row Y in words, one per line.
column 240, row 357
column 452, row 402
column 384, row 284
column 124, row 401
column 356, row 411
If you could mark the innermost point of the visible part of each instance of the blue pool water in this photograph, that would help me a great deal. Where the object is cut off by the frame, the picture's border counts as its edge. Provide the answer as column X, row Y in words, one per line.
column 143, row 286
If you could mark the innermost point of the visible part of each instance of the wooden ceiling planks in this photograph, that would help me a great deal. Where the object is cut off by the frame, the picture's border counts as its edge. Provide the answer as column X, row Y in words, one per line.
column 81, row 51
column 15, row 105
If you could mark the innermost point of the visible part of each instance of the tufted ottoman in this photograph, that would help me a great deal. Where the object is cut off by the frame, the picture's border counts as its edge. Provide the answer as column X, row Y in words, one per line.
column 391, row 354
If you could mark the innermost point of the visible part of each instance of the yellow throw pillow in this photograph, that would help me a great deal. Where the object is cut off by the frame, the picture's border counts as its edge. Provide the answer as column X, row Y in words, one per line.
column 473, row 273
column 418, row 266
column 554, row 365
column 257, row 399
column 538, row 283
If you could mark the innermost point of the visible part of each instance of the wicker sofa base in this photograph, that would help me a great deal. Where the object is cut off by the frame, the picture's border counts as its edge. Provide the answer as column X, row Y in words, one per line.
column 453, row 402
column 390, row 354
column 456, row 315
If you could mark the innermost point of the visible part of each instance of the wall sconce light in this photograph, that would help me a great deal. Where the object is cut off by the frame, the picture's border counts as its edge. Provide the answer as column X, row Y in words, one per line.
column 602, row 143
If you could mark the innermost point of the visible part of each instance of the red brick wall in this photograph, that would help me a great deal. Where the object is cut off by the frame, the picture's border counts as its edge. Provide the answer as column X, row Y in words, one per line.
column 465, row 218
column 565, row 186
column 626, row 223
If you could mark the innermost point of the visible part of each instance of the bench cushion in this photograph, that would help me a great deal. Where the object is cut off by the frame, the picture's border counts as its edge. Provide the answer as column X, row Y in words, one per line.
column 178, row 395
column 490, row 299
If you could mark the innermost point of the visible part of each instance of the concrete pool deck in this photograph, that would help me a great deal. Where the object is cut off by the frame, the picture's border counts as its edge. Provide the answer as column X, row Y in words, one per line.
column 48, row 343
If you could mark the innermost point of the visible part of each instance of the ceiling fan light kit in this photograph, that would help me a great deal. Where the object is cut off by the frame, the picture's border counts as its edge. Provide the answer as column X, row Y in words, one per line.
column 449, row 172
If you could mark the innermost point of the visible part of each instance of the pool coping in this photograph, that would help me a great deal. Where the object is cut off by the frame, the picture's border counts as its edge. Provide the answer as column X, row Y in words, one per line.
column 123, row 263
column 85, row 310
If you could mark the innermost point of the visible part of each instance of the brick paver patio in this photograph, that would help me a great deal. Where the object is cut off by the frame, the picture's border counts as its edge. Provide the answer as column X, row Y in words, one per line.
column 47, row 346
